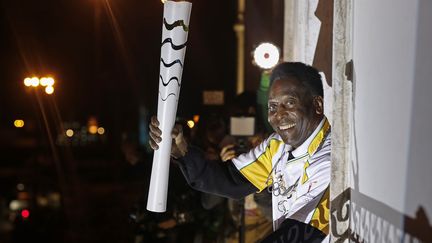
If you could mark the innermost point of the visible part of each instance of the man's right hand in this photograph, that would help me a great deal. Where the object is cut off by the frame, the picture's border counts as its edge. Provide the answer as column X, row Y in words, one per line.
column 179, row 144
column 228, row 152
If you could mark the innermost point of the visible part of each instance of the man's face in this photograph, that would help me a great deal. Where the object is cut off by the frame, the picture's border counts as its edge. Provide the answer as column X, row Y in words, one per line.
column 292, row 110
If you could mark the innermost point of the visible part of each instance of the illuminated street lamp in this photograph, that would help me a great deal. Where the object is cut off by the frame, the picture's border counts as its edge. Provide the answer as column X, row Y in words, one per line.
column 190, row 124
column 19, row 123
column 43, row 81
column 101, row 130
column 266, row 56
column 50, row 81
column 93, row 129
column 47, row 82
column 28, row 82
column 49, row 89
column 34, row 82
column 69, row 133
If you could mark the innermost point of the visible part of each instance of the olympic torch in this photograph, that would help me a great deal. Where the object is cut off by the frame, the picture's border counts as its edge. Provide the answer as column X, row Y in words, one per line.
column 175, row 30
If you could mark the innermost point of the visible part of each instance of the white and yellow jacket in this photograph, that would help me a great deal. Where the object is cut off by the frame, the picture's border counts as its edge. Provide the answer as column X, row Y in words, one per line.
column 299, row 186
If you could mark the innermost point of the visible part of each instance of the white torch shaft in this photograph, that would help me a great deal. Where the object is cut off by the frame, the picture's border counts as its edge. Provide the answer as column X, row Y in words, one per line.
column 175, row 30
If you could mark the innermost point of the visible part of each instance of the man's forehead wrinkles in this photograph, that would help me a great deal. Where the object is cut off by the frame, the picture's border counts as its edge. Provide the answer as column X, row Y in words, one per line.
column 285, row 96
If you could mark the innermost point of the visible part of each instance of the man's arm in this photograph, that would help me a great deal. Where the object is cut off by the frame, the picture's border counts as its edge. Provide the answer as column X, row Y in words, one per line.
column 216, row 177
column 208, row 176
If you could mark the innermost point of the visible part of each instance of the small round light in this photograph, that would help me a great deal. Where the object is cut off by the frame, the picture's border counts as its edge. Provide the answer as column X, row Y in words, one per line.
column 34, row 82
column 49, row 81
column 28, row 82
column 14, row 205
column 266, row 55
column 19, row 123
column 92, row 129
column 196, row 118
column 101, row 130
column 190, row 123
column 49, row 89
column 25, row 213
column 43, row 81
column 20, row 187
column 69, row 133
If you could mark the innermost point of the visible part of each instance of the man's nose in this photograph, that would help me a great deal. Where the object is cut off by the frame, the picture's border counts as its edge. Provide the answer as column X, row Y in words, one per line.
column 282, row 112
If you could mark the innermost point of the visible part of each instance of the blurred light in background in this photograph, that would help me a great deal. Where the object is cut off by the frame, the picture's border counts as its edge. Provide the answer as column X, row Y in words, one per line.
column 50, row 81
column 51, row 199
column 16, row 205
column 42, row 201
column 101, row 130
column 19, row 123
column 92, row 125
column 76, row 134
column 43, row 81
column 34, row 82
column 28, row 82
column 69, row 133
column 196, row 118
column 49, row 89
column 20, row 187
column 190, row 124
column 46, row 82
column 23, row 195
column 266, row 55
column 93, row 129
column 25, row 213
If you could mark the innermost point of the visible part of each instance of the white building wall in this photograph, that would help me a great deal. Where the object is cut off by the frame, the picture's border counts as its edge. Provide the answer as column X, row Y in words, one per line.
column 392, row 93
column 419, row 179
column 381, row 171
column 384, row 44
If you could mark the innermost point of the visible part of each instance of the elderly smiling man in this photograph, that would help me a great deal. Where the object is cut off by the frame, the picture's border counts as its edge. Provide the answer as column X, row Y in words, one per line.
column 293, row 163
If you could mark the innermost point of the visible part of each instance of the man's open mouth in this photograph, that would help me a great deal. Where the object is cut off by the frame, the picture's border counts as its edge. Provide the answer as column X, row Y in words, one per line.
column 287, row 126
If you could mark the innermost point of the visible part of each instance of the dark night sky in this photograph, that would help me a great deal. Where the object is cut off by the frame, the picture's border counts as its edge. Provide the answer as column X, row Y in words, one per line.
column 106, row 66
column 104, row 55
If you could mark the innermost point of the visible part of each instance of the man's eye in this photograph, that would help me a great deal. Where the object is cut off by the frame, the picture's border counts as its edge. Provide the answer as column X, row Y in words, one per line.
column 291, row 102
column 272, row 108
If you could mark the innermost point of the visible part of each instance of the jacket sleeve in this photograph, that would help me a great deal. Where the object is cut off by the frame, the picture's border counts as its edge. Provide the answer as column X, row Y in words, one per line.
column 215, row 177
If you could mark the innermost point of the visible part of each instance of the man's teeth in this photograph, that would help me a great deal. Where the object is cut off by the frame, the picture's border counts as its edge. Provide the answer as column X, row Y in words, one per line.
column 287, row 126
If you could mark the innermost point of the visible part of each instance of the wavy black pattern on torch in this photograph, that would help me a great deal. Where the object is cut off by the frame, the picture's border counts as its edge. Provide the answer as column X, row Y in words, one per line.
column 172, row 63
column 175, row 47
column 166, row 96
column 175, row 24
column 169, row 81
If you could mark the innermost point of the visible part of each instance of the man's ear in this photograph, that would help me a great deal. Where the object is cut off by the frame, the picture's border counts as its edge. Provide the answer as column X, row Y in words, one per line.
column 319, row 105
